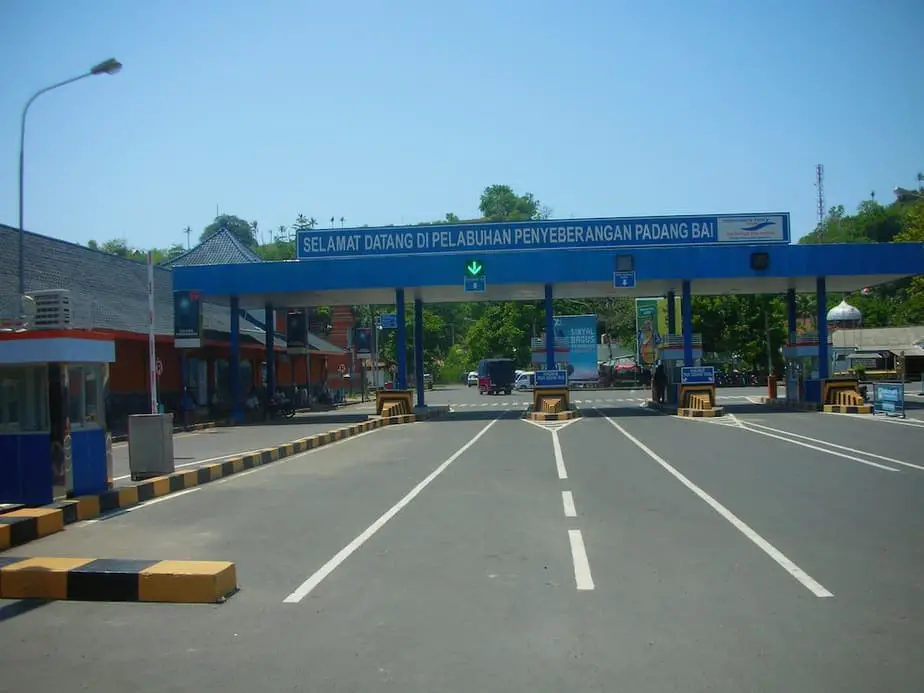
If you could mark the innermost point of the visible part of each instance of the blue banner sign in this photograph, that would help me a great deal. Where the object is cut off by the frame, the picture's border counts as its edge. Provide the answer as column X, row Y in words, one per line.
column 551, row 378
column 889, row 399
column 697, row 375
column 567, row 234
column 580, row 332
column 389, row 321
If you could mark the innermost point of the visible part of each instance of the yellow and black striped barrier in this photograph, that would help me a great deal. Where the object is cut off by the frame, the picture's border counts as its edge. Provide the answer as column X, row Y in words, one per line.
column 117, row 580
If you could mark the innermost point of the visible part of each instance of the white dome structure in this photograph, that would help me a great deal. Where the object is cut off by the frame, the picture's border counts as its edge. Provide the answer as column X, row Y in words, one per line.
column 845, row 315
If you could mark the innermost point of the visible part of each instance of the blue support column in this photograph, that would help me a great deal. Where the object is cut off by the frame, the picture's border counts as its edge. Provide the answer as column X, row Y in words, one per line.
column 790, row 314
column 549, row 328
column 234, row 362
column 686, row 309
column 671, row 313
column 401, row 341
column 270, row 350
column 821, row 290
column 419, row 350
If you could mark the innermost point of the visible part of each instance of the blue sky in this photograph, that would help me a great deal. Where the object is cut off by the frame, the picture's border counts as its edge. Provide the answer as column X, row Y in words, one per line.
column 398, row 112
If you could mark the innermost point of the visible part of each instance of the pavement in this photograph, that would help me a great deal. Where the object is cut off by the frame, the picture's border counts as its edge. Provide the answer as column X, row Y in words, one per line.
column 197, row 448
column 625, row 550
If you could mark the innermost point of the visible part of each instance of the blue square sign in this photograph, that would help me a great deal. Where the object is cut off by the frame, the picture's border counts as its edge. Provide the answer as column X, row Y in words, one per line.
column 624, row 280
column 475, row 284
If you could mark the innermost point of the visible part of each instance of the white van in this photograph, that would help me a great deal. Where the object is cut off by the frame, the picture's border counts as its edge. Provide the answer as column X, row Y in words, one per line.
column 525, row 381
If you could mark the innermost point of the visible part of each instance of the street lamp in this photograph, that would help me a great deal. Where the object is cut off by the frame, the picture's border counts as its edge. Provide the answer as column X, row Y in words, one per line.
column 107, row 67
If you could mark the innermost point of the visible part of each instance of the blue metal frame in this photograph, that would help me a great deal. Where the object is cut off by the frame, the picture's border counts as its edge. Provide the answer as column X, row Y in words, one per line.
column 727, row 268
column 401, row 341
column 419, row 351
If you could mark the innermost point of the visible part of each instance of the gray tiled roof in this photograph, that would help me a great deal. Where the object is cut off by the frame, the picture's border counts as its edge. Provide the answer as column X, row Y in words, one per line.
column 107, row 291
column 221, row 248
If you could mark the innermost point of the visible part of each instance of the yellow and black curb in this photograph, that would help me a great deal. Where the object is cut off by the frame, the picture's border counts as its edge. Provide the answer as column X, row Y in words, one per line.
column 117, row 580
column 786, row 404
column 23, row 525
column 848, row 409
column 700, row 413
column 552, row 416
column 122, row 437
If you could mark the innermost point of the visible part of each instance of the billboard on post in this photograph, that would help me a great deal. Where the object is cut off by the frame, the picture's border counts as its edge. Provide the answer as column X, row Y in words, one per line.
column 651, row 327
column 580, row 332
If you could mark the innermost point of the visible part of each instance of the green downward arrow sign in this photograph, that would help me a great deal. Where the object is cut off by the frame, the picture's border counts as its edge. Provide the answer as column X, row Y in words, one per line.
column 473, row 268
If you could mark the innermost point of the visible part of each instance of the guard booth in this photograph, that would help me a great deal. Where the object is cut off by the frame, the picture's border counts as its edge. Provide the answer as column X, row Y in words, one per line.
column 54, row 442
column 803, row 385
column 670, row 352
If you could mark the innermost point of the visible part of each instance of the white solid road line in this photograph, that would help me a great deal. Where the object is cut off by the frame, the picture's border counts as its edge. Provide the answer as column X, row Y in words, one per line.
column 790, row 440
column 807, row 580
column 582, row 577
column 304, row 589
column 836, row 446
column 914, row 423
column 297, row 456
column 567, row 500
column 140, row 506
column 559, row 458
column 223, row 458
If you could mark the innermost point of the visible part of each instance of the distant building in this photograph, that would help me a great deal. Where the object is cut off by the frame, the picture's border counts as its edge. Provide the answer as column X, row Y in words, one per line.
column 108, row 295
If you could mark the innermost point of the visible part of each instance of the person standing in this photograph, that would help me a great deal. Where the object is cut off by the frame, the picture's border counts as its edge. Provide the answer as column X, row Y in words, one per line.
column 660, row 382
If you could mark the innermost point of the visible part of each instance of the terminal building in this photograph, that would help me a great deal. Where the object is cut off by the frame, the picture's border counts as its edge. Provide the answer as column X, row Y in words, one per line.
column 81, row 291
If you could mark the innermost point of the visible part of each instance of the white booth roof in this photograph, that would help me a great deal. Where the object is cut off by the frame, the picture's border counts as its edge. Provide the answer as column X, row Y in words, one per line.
column 31, row 350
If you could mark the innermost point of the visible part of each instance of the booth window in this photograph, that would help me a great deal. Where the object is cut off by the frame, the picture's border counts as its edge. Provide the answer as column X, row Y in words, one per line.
column 23, row 399
column 84, row 385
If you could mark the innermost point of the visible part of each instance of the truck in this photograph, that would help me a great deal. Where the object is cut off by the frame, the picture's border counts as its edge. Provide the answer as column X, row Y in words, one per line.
column 496, row 376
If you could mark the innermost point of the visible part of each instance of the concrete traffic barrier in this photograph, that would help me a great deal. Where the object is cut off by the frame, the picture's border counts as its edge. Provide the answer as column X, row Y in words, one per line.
column 19, row 527
column 117, row 580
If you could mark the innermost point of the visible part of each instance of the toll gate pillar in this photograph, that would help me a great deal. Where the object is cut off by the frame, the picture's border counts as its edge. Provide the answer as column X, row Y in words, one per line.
column 671, row 313
column 270, row 350
column 549, row 329
column 419, row 350
column 401, row 341
column 821, row 291
column 686, row 310
column 234, row 361
column 790, row 314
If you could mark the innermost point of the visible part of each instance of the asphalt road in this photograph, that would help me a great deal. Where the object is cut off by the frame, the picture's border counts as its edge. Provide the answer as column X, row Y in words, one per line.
column 461, row 397
column 196, row 448
column 479, row 552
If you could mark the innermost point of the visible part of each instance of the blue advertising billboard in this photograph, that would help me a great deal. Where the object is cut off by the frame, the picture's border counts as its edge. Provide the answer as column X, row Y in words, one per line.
column 580, row 332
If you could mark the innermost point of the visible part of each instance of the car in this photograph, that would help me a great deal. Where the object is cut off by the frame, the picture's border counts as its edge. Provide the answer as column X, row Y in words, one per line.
column 495, row 376
column 472, row 379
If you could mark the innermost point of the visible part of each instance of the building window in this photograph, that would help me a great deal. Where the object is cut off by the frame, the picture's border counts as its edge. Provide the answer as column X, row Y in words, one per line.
column 23, row 399
column 84, row 395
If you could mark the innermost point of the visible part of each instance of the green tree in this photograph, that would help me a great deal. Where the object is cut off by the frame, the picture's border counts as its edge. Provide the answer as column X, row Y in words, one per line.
column 242, row 230
column 501, row 203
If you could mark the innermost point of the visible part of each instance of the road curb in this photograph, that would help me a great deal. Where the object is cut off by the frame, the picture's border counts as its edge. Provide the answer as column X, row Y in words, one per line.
column 22, row 526
column 123, row 437
column 552, row 416
column 848, row 409
column 701, row 413
column 117, row 580
column 786, row 404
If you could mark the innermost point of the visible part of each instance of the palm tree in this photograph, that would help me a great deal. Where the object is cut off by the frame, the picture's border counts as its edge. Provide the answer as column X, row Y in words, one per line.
column 254, row 229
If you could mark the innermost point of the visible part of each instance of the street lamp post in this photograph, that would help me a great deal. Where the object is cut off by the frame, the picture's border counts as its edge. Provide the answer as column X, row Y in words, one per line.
column 107, row 67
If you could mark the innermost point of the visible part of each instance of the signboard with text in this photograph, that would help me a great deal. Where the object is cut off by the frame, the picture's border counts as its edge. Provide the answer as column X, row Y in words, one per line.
column 570, row 234
column 697, row 375
column 889, row 399
column 551, row 378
